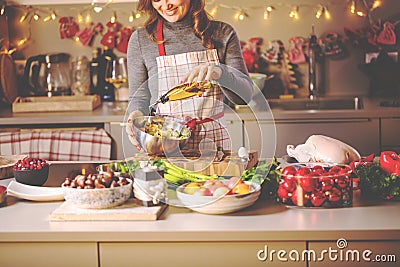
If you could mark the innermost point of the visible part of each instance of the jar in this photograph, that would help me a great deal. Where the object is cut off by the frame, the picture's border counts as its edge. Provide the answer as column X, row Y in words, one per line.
column 150, row 187
column 80, row 76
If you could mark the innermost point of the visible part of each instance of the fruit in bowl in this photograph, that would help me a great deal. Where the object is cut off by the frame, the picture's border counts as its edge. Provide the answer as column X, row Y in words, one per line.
column 97, row 191
column 316, row 184
column 218, row 196
column 31, row 171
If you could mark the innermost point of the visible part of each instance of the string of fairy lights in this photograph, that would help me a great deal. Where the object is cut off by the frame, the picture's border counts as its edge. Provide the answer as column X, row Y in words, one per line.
column 35, row 14
column 361, row 8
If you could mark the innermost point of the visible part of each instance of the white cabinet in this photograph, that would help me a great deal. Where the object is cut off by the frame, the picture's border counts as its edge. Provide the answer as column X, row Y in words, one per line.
column 235, row 132
column 196, row 254
column 122, row 148
column 362, row 134
column 390, row 140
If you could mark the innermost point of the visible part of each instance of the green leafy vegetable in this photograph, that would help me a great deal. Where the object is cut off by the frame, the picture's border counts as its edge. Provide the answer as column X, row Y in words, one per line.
column 266, row 173
column 376, row 183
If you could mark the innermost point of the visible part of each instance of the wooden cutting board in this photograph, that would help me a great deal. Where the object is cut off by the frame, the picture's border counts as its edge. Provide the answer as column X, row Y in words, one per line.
column 129, row 211
column 56, row 103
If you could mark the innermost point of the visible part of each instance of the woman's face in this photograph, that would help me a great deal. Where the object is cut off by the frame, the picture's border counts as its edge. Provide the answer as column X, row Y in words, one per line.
column 172, row 10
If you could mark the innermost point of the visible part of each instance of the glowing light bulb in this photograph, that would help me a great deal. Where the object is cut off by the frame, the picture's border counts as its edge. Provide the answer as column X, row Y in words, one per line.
column 376, row 4
column 213, row 11
column 131, row 17
column 36, row 16
column 113, row 18
column 79, row 18
column 353, row 7
column 23, row 17
column 294, row 14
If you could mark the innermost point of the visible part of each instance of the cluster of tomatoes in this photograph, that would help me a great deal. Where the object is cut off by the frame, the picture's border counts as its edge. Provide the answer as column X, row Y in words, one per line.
column 29, row 163
column 316, row 186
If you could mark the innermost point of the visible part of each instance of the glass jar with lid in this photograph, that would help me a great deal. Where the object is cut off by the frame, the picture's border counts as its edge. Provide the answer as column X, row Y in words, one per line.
column 80, row 76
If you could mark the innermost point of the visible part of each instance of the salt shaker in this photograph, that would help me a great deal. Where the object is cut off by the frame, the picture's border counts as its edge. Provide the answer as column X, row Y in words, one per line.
column 150, row 187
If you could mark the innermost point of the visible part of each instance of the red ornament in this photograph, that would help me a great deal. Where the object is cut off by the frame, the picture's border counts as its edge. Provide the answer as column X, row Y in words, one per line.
column 68, row 27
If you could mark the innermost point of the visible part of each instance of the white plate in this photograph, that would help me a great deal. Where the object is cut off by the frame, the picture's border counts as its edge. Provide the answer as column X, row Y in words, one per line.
column 35, row 193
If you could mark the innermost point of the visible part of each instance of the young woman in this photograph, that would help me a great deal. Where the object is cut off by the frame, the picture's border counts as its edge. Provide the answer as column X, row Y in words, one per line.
column 180, row 43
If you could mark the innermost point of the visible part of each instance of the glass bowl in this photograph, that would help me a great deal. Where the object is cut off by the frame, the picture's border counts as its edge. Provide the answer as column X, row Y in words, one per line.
column 316, row 184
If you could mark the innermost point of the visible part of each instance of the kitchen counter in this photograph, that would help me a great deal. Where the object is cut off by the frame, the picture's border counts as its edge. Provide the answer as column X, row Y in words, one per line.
column 23, row 221
column 179, row 234
column 115, row 111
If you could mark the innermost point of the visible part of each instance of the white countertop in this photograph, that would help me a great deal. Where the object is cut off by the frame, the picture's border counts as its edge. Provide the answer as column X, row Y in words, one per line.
column 22, row 221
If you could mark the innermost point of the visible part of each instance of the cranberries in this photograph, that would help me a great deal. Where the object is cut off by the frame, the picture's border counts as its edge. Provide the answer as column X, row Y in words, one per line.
column 28, row 163
column 316, row 185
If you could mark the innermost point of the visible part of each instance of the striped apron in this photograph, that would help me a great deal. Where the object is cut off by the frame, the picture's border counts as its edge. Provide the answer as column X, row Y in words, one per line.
column 204, row 114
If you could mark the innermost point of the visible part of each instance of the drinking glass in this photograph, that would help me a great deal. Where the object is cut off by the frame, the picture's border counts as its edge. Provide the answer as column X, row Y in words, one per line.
column 116, row 72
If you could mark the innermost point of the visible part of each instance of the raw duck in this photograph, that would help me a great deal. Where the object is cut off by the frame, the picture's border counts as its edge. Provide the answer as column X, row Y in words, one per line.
column 321, row 148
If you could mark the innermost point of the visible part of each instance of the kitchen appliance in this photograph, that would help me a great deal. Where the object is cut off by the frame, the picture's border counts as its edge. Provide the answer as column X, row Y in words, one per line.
column 48, row 75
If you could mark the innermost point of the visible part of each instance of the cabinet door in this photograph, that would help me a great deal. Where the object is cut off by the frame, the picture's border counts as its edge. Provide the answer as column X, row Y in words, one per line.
column 355, row 253
column 235, row 131
column 198, row 254
column 48, row 254
column 122, row 148
column 362, row 134
column 390, row 139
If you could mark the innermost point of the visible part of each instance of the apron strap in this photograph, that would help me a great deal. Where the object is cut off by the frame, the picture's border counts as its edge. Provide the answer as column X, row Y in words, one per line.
column 160, row 38
column 195, row 121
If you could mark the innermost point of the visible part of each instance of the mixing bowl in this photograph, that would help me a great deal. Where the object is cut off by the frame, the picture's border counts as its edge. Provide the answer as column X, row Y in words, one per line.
column 174, row 135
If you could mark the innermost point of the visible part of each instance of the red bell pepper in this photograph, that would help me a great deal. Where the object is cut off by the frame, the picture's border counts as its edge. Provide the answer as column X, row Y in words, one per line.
column 390, row 162
column 364, row 161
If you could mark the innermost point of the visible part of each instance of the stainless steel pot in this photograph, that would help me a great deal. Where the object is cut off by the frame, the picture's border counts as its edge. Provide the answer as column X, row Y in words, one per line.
column 160, row 145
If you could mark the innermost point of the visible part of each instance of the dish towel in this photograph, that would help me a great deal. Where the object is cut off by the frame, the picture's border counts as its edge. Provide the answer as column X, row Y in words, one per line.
column 87, row 145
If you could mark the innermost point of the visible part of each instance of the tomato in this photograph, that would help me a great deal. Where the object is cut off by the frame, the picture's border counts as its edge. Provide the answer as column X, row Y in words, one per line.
column 283, row 194
column 309, row 182
column 334, row 195
column 335, row 169
column 317, row 198
column 289, row 185
column 303, row 171
column 326, row 183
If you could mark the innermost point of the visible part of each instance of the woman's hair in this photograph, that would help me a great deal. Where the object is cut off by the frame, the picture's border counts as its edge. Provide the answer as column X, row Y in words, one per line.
column 202, row 20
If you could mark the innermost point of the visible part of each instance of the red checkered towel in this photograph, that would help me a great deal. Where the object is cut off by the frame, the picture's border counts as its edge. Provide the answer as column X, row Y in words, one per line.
column 88, row 145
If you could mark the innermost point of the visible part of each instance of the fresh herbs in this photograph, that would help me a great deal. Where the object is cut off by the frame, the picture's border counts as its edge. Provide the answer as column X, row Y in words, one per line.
column 377, row 183
column 266, row 173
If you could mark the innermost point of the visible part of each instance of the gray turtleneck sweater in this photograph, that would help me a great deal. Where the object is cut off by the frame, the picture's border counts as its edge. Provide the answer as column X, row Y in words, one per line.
column 180, row 38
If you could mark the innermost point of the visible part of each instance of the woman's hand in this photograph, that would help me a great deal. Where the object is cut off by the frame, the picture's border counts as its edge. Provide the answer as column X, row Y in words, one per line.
column 203, row 72
column 129, row 128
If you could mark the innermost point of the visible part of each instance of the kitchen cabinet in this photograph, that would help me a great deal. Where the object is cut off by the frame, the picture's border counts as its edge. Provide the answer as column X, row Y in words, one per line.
column 383, row 253
column 41, row 254
column 122, row 148
column 235, row 131
column 362, row 134
column 390, row 128
column 195, row 254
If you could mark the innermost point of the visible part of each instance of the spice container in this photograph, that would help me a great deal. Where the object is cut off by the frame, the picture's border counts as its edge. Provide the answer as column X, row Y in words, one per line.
column 150, row 187
column 316, row 185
